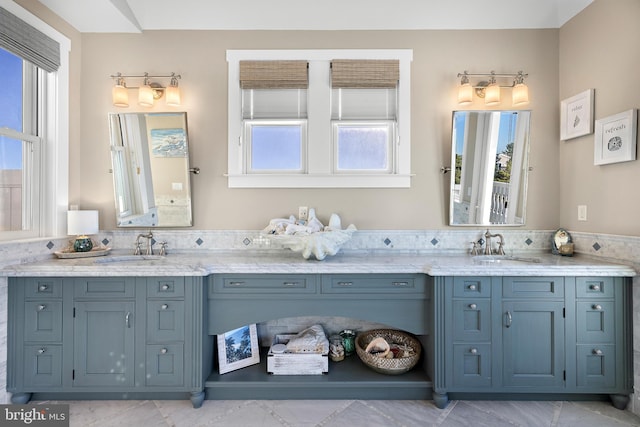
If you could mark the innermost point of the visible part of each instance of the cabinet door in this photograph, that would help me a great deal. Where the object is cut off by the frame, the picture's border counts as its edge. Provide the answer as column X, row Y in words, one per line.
column 43, row 365
column 533, row 343
column 596, row 365
column 43, row 321
column 165, row 321
column 472, row 320
column 165, row 365
column 472, row 365
column 104, row 343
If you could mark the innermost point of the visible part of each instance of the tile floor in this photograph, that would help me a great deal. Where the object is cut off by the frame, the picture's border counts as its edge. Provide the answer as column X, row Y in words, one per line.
column 341, row 413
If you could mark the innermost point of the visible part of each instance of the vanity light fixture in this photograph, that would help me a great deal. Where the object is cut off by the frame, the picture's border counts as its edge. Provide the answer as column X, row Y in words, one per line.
column 490, row 90
column 148, row 91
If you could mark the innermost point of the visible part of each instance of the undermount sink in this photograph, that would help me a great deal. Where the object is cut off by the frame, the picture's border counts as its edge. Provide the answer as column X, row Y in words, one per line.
column 504, row 259
column 128, row 258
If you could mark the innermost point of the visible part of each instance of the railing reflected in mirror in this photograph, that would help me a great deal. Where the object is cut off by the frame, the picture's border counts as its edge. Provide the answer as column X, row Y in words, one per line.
column 490, row 151
column 150, row 161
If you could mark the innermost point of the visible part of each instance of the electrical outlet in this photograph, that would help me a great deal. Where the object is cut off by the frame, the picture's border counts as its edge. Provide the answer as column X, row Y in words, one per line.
column 303, row 213
column 582, row 212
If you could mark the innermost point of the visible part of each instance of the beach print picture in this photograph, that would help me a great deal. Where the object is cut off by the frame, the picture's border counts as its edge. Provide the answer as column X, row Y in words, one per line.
column 616, row 138
column 238, row 348
column 169, row 143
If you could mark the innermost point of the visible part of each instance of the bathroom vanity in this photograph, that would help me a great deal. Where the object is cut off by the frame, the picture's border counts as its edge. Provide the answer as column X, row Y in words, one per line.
column 558, row 328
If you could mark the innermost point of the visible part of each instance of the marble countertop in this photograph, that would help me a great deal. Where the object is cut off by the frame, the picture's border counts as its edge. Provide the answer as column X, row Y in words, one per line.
column 285, row 262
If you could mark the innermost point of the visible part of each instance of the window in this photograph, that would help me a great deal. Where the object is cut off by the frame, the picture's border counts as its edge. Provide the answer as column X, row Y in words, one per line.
column 33, row 126
column 341, row 120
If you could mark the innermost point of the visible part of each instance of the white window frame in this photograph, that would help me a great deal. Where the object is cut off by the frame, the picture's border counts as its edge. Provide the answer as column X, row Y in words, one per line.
column 320, row 159
column 248, row 128
column 366, row 124
column 54, row 153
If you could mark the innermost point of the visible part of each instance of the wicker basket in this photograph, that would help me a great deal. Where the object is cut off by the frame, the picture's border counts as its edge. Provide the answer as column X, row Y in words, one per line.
column 395, row 366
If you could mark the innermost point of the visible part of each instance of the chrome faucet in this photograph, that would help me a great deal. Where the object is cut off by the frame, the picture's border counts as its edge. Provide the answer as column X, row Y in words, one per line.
column 488, row 250
column 149, row 250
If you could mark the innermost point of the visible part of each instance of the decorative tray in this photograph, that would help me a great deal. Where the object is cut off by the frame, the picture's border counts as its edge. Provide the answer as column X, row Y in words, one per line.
column 69, row 253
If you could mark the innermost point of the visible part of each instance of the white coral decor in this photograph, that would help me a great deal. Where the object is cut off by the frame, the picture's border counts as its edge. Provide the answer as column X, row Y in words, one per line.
column 309, row 238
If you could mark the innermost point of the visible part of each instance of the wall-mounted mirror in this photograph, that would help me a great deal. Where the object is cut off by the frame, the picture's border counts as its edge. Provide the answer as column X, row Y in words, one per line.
column 150, row 161
column 490, row 151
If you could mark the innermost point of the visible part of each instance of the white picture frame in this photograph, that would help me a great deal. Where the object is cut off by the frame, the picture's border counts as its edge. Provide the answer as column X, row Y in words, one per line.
column 616, row 137
column 576, row 115
column 238, row 348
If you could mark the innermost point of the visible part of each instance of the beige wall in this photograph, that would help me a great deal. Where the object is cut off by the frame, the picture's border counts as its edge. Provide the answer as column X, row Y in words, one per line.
column 599, row 49
column 199, row 56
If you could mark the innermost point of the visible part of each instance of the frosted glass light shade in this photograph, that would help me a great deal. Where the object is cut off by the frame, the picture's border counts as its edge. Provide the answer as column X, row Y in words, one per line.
column 492, row 94
column 520, row 94
column 465, row 94
column 145, row 96
column 81, row 223
column 173, row 96
column 120, row 96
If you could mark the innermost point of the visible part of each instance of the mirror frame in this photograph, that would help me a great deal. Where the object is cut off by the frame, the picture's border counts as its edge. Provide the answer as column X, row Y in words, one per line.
column 493, row 204
column 150, row 167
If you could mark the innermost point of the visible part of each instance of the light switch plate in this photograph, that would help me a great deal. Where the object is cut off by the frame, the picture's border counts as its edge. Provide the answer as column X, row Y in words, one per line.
column 582, row 212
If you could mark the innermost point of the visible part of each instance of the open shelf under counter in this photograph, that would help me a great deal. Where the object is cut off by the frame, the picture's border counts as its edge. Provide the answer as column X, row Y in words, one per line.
column 347, row 379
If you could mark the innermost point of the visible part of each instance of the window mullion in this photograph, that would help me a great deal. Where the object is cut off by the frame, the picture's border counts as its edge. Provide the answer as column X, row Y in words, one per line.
column 319, row 153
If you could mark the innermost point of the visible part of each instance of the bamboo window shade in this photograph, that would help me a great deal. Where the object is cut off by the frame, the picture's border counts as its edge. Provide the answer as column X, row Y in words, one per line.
column 274, row 75
column 364, row 73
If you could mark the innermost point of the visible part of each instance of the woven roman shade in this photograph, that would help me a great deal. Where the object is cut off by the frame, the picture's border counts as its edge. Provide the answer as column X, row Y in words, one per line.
column 364, row 73
column 27, row 42
column 274, row 75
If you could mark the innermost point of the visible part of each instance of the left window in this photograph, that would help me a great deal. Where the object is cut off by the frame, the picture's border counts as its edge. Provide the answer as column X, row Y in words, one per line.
column 33, row 126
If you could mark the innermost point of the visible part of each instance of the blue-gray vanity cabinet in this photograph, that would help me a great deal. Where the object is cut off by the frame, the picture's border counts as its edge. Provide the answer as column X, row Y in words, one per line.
column 107, row 338
column 529, row 335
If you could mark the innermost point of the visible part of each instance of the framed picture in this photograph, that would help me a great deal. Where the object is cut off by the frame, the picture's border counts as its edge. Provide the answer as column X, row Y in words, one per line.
column 168, row 142
column 238, row 349
column 616, row 138
column 576, row 115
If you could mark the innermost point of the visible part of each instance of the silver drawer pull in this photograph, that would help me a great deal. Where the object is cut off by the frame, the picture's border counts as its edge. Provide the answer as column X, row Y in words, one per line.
column 42, row 350
column 345, row 283
column 596, row 307
column 594, row 287
column 236, row 283
column 472, row 287
column 509, row 319
column 473, row 306
column 164, row 306
column 290, row 284
column 400, row 284
column 126, row 319
column 165, row 287
column 473, row 351
column 41, row 307
column 42, row 288
column 597, row 352
column 163, row 351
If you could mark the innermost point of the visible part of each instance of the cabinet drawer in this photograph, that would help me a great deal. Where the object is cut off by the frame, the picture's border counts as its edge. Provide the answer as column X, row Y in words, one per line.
column 595, row 321
column 594, row 287
column 472, row 365
column 373, row 284
column 596, row 365
column 533, row 287
column 43, row 321
column 43, row 288
column 110, row 287
column 165, row 321
column 43, row 365
column 269, row 284
column 472, row 320
column 161, row 287
column 472, row 286
column 165, row 365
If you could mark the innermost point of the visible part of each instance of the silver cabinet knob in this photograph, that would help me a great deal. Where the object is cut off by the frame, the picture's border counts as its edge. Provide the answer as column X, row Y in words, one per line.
column 165, row 287
column 164, row 306
column 473, row 351
column 42, row 350
column 472, row 287
column 594, row 287
column 473, row 306
column 43, row 288
column 597, row 352
column 41, row 307
column 164, row 351
column 596, row 307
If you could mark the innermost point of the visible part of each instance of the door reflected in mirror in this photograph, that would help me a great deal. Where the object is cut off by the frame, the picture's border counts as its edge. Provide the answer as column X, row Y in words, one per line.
column 490, row 151
column 150, row 161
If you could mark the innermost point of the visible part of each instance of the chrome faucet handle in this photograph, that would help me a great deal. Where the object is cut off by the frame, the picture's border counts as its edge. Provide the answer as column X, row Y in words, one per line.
column 500, row 248
column 136, row 250
column 163, row 248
